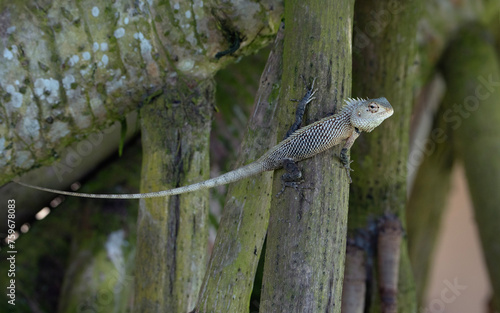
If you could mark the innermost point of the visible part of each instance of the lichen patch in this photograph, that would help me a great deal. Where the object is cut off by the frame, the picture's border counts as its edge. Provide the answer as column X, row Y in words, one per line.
column 23, row 159
column 73, row 60
column 104, row 61
column 8, row 54
column 95, row 11
column 31, row 128
column 120, row 32
column 2, row 145
column 16, row 98
column 58, row 130
column 146, row 47
column 11, row 30
column 186, row 65
column 67, row 81
column 47, row 89
column 86, row 55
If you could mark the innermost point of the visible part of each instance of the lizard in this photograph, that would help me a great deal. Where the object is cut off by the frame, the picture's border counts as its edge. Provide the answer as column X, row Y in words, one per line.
column 358, row 115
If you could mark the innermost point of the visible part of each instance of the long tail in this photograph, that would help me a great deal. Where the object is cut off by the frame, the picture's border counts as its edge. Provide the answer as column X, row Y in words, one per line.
column 243, row 172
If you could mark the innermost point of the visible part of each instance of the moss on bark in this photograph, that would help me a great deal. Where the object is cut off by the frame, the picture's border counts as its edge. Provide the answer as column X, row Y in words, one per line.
column 172, row 231
column 304, row 262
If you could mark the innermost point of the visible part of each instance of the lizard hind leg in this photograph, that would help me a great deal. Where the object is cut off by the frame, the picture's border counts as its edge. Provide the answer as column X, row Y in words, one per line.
column 292, row 176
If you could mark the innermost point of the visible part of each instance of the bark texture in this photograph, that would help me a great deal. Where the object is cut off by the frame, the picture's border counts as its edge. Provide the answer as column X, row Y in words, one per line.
column 71, row 68
column 172, row 231
column 74, row 164
column 305, row 252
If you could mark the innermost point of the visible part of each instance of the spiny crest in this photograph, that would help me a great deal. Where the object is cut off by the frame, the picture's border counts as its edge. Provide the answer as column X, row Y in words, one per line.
column 350, row 101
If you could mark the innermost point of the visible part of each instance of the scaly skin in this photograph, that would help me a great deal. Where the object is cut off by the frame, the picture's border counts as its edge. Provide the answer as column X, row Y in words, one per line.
column 357, row 116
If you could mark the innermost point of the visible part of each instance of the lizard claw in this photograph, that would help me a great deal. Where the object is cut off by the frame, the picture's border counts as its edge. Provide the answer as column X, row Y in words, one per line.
column 348, row 171
column 311, row 91
column 284, row 184
column 346, row 163
column 295, row 185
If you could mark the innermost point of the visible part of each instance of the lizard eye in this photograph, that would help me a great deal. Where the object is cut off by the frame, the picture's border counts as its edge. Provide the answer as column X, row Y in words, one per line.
column 359, row 113
column 373, row 107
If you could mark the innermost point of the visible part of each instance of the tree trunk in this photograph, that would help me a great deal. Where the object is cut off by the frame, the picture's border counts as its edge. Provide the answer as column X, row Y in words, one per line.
column 173, row 231
column 305, row 251
column 384, row 66
column 229, row 280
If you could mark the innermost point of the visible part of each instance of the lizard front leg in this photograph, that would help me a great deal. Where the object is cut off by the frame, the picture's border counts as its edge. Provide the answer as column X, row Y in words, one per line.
column 301, row 108
column 344, row 159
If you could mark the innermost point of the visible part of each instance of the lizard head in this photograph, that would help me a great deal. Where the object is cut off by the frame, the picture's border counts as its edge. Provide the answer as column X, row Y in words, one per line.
column 368, row 114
